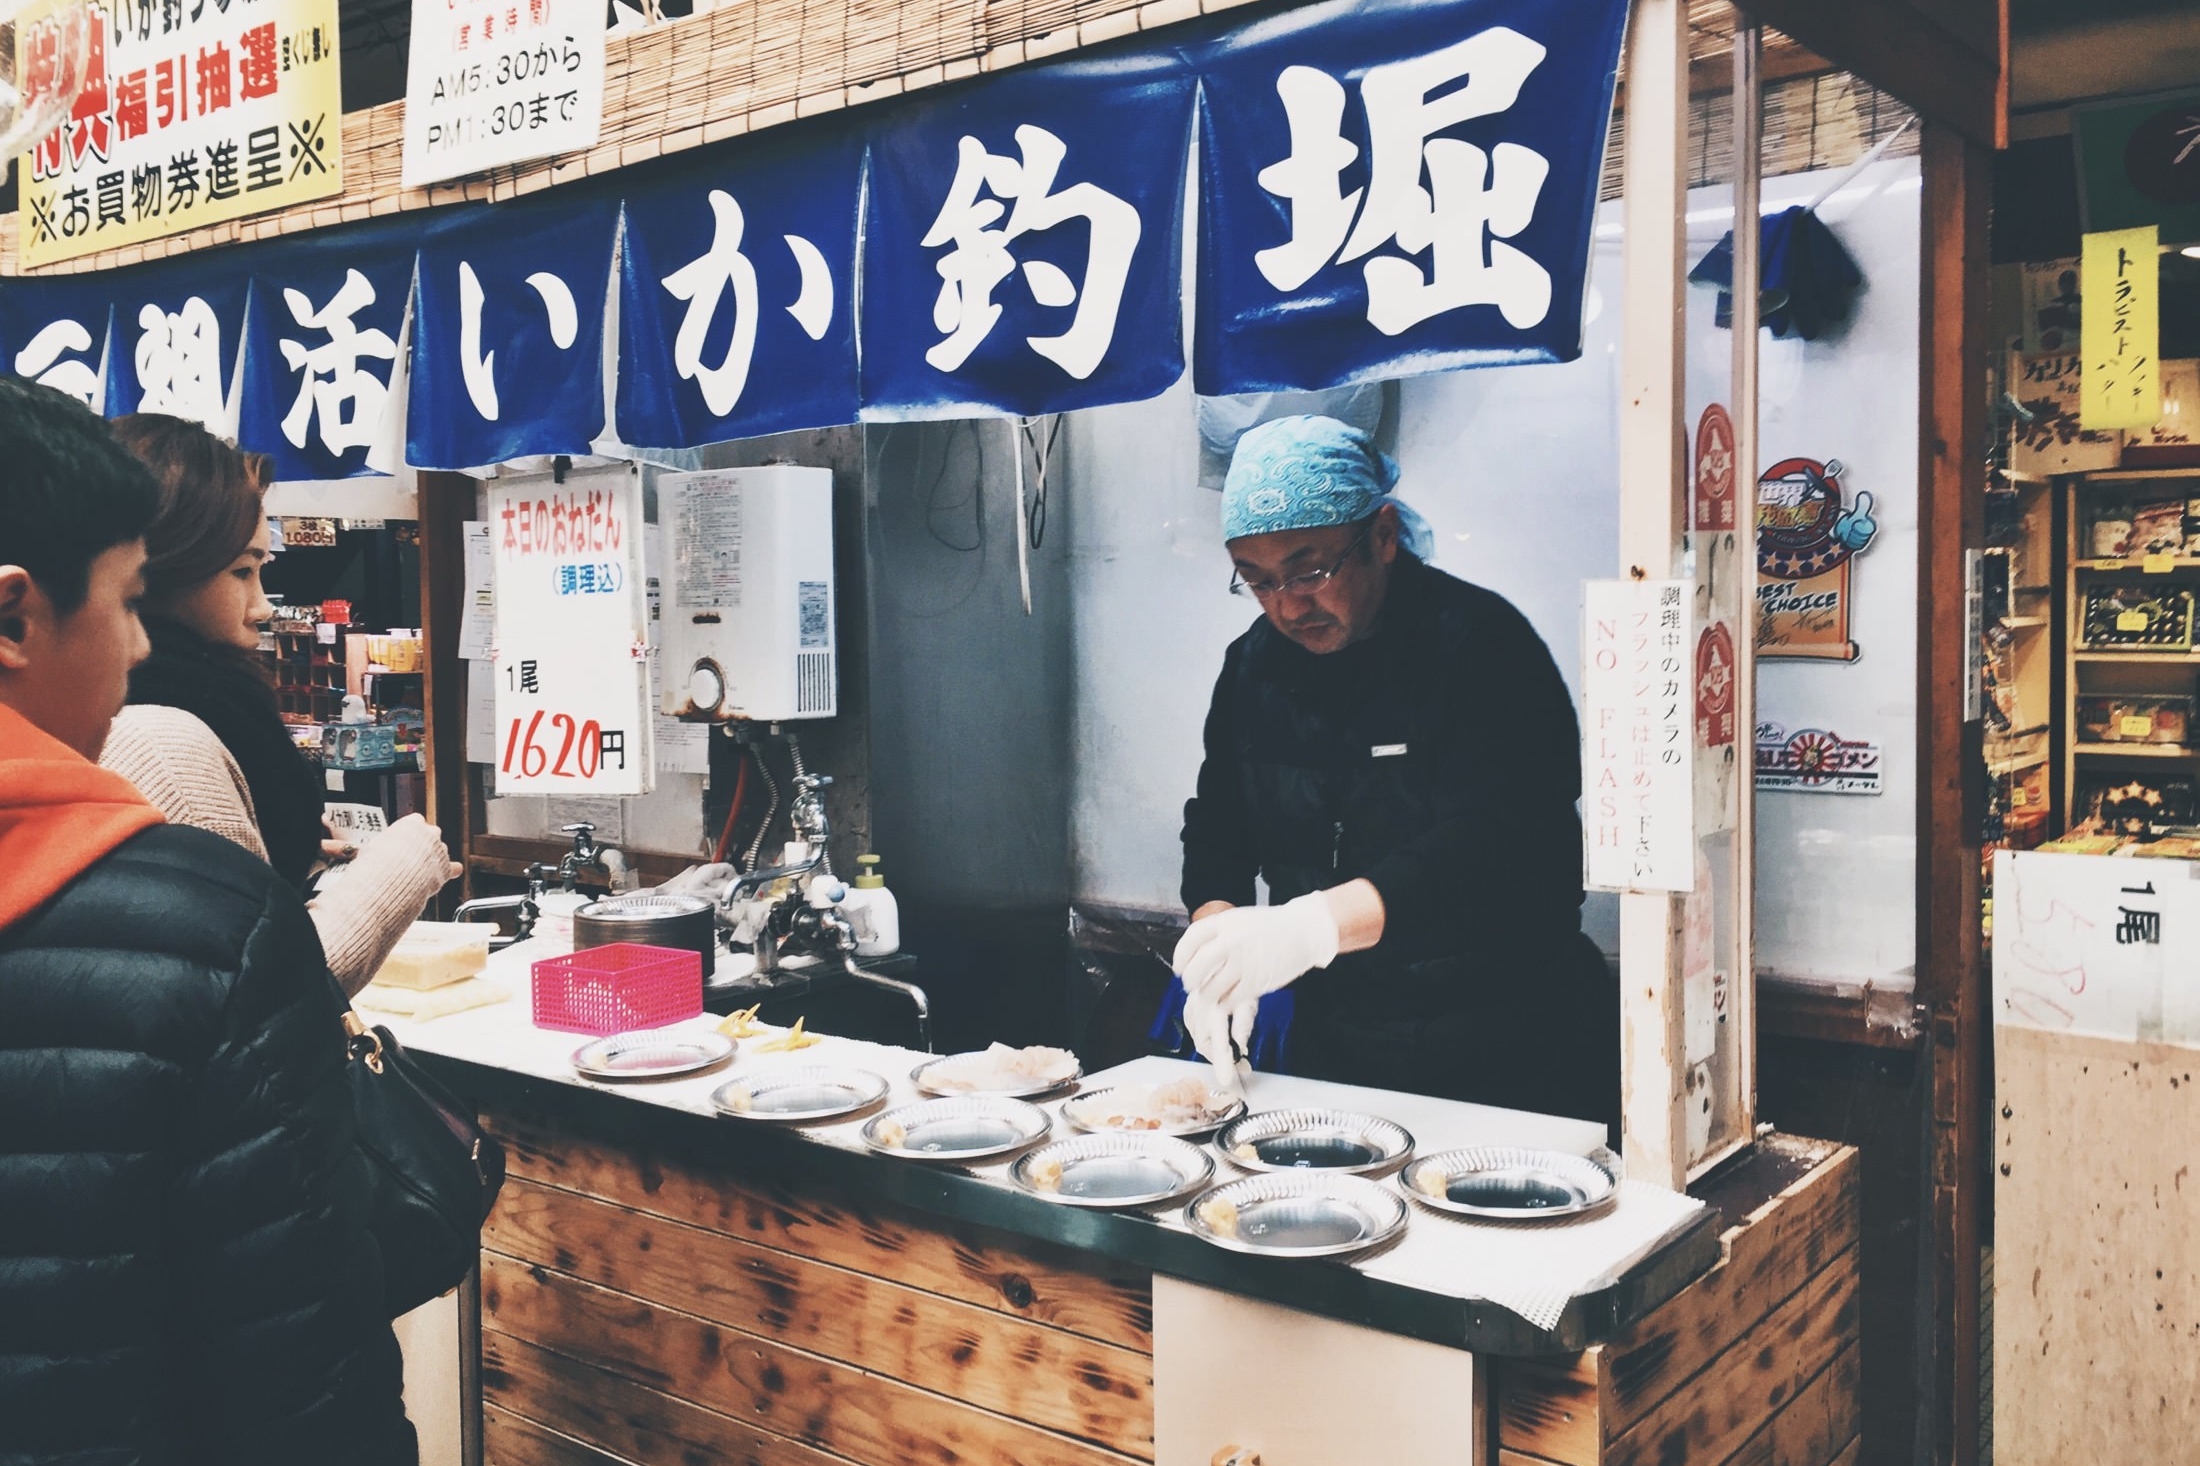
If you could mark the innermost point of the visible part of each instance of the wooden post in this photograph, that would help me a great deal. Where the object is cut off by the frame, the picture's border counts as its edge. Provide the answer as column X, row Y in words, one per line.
column 1652, row 506
column 446, row 503
column 1748, row 138
column 1951, row 973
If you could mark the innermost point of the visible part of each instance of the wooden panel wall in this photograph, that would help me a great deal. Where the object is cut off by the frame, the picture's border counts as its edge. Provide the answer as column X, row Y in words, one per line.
column 640, row 1310
column 2096, row 1250
column 1757, row 1364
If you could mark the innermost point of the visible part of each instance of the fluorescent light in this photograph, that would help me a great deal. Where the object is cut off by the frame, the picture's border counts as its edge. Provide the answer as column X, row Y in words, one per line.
column 2191, row 251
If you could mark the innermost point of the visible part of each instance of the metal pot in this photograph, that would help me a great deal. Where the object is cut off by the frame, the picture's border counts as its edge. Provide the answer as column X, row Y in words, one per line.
column 653, row 918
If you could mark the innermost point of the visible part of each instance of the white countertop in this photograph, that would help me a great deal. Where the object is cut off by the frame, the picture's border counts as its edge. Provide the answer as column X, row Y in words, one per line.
column 1532, row 1268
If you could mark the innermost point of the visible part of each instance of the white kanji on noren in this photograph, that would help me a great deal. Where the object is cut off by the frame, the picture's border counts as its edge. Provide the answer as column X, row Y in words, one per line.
column 179, row 362
column 44, row 359
column 1471, row 202
column 479, row 367
column 703, row 281
column 981, row 259
column 332, row 384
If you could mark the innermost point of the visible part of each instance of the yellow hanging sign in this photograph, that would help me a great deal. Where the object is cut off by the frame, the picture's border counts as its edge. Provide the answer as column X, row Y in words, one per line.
column 191, row 114
column 2120, row 279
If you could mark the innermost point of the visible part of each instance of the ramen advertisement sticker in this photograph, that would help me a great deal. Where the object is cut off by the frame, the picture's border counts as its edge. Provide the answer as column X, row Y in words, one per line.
column 1808, row 538
column 1815, row 761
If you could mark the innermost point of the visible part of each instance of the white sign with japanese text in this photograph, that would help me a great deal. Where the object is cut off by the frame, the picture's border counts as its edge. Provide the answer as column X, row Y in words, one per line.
column 2104, row 945
column 571, row 645
column 491, row 82
column 1638, row 707
column 192, row 112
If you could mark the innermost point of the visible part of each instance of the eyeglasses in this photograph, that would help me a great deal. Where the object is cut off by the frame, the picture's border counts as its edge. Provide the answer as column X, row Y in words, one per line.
column 1304, row 584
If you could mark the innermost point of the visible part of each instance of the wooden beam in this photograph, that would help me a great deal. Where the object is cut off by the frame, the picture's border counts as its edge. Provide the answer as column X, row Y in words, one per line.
column 1948, row 59
column 1953, row 344
column 1653, row 497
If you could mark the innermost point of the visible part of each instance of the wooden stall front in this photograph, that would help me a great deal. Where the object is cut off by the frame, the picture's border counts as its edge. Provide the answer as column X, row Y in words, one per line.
column 642, row 1305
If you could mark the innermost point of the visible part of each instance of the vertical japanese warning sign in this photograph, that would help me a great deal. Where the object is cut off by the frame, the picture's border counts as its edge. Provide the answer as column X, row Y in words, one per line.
column 1638, row 706
column 571, row 649
column 193, row 112
column 490, row 82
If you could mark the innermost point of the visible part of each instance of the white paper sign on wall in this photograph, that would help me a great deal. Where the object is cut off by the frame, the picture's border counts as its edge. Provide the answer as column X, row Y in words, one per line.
column 571, row 655
column 490, row 82
column 1638, row 701
column 2102, row 945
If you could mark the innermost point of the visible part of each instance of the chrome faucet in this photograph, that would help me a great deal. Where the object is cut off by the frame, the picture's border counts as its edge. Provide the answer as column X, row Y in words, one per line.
column 586, row 854
column 808, row 820
column 527, row 908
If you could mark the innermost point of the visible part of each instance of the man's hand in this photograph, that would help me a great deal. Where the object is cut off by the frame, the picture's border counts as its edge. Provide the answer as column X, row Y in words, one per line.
column 1230, row 959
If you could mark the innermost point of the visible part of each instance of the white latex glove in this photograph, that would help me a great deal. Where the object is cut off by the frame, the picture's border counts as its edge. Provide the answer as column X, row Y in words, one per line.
column 701, row 880
column 1233, row 958
column 1213, row 1031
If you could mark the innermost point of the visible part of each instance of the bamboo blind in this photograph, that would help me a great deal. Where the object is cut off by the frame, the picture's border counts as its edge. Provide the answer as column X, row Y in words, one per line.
column 700, row 79
column 746, row 66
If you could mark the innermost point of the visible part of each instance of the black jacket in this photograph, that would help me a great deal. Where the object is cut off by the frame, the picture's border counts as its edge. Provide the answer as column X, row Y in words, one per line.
column 1439, row 758
column 185, row 1271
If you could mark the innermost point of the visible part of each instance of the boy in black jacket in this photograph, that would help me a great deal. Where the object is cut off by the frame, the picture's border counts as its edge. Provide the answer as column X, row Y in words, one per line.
column 186, row 1274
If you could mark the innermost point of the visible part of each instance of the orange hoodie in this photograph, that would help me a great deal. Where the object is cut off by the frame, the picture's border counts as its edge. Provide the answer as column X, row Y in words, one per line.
column 59, row 813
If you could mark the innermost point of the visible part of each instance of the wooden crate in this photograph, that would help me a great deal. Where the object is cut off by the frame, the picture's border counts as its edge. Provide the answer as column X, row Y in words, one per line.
column 1756, row 1364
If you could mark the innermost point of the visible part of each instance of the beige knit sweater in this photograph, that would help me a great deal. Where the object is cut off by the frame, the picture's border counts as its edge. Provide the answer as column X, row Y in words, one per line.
column 185, row 771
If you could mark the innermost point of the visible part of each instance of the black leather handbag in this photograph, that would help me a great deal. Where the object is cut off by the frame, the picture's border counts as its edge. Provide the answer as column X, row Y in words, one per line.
column 435, row 1173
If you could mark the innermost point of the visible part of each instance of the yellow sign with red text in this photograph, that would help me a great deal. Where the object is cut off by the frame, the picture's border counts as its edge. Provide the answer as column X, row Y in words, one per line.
column 193, row 112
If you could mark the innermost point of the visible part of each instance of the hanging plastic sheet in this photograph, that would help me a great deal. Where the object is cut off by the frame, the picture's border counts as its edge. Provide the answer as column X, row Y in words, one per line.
column 1391, row 187
column 737, row 294
column 179, row 333
column 59, row 333
column 322, row 333
column 507, row 348
column 1022, row 250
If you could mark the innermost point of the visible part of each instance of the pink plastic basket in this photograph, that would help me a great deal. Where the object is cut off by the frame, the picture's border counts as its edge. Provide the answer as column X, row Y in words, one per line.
column 618, row 988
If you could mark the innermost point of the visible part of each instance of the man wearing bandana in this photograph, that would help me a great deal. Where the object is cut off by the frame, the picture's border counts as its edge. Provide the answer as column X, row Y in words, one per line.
column 1393, row 751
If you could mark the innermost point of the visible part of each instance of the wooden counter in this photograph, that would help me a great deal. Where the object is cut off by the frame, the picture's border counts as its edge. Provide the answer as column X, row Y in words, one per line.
column 661, row 1285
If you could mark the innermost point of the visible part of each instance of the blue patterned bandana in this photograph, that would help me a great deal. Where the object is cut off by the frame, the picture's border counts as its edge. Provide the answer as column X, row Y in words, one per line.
column 1311, row 473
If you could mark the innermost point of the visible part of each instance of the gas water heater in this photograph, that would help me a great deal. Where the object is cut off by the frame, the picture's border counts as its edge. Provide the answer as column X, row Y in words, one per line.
column 746, row 595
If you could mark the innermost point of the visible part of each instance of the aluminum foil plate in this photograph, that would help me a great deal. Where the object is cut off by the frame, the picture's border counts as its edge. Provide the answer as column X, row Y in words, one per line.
column 964, row 1128
column 1298, row 1214
column 926, row 1077
column 1112, row 1170
column 800, row 1093
column 650, row 1055
column 1507, row 1183
column 1089, row 1112
column 1314, row 1140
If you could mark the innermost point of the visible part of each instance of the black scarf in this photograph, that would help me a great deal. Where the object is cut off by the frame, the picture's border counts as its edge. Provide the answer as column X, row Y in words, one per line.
column 225, row 688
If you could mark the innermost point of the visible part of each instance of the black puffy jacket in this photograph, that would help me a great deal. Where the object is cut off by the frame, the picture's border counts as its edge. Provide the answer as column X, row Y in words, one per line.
column 185, row 1273
column 1440, row 760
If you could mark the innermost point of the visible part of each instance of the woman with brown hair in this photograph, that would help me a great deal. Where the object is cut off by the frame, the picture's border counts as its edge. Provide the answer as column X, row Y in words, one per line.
column 202, row 738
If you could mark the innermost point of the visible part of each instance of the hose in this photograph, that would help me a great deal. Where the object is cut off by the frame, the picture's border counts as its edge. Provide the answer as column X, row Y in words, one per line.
column 771, row 811
column 733, row 811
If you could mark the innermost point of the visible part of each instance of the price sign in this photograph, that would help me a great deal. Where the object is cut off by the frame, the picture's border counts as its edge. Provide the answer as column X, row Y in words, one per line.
column 569, row 648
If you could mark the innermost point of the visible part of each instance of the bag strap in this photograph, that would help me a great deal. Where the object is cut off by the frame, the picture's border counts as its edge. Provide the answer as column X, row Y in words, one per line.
column 364, row 1043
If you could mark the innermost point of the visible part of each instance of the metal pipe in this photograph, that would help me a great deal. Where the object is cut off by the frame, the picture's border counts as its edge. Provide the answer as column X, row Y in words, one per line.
column 523, row 925
column 908, row 990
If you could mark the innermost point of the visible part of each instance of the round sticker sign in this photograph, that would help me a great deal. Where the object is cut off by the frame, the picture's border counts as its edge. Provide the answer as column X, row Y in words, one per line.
column 1715, row 686
column 1714, row 479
